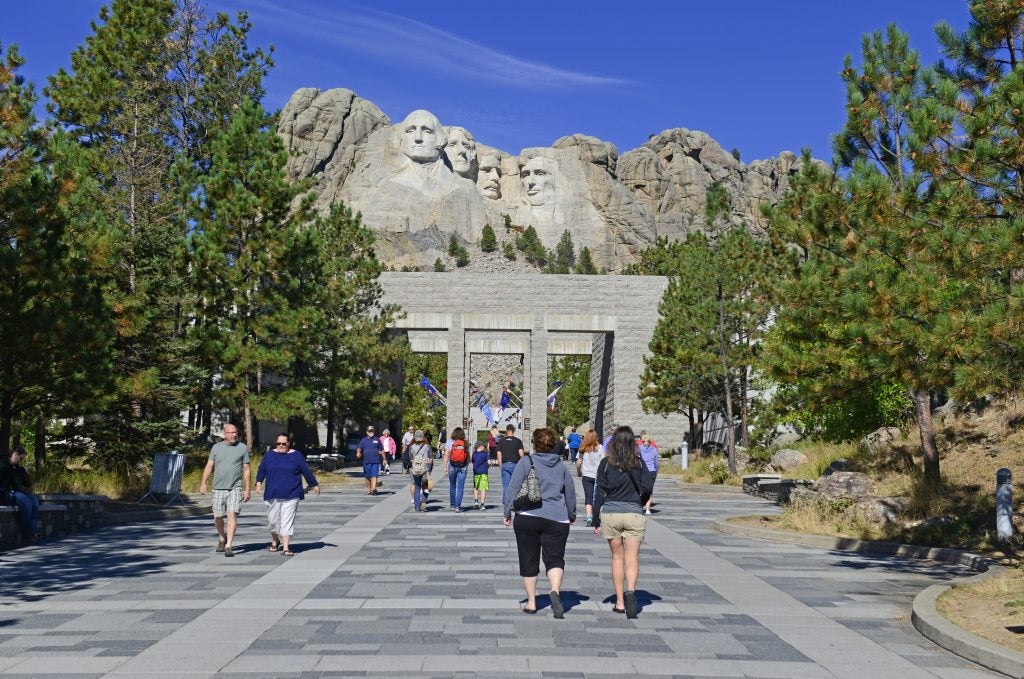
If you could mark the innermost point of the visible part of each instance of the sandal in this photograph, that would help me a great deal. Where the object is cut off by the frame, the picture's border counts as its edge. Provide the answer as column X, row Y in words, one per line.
column 273, row 547
column 529, row 611
column 288, row 552
column 616, row 609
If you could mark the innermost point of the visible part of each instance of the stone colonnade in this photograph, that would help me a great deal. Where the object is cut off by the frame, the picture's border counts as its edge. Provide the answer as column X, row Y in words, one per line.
column 611, row 318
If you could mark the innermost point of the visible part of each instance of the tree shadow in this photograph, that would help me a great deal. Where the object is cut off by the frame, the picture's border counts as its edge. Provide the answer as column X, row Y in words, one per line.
column 80, row 561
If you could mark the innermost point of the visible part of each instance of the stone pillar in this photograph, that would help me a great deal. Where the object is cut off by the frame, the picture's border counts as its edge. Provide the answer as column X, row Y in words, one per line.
column 458, row 368
column 535, row 394
column 602, row 383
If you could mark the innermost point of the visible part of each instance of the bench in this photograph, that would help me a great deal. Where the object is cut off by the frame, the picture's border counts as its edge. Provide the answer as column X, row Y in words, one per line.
column 58, row 515
column 751, row 481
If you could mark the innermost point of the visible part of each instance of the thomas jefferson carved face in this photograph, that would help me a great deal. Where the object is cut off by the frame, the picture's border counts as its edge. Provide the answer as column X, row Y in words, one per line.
column 538, row 179
column 488, row 176
column 461, row 151
column 423, row 137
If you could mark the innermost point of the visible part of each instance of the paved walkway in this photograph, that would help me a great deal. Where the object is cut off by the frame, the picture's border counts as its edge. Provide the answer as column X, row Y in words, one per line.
column 377, row 590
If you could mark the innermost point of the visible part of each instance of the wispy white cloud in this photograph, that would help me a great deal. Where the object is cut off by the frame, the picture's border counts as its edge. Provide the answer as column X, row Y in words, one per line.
column 398, row 39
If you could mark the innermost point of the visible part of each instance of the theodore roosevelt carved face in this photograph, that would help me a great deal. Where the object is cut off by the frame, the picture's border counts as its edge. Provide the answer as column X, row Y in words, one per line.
column 461, row 151
column 423, row 138
column 537, row 177
column 488, row 176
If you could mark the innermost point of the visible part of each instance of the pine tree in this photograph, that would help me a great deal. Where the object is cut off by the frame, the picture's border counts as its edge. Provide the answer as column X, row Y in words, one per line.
column 461, row 257
column 145, row 95
column 349, row 342
column 508, row 250
column 585, row 265
column 563, row 259
column 54, row 322
column 453, row 246
column 488, row 241
column 439, row 265
column 892, row 283
column 241, row 256
column 530, row 245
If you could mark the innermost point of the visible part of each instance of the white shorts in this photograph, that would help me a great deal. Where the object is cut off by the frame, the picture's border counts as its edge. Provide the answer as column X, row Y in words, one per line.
column 281, row 516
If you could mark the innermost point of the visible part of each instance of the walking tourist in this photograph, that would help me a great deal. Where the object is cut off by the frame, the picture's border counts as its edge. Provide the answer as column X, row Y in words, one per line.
column 388, row 448
column 406, row 442
column 229, row 464
column 510, row 450
column 456, row 463
column 575, row 440
column 481, row 484
column 492, row 442
column 542, row 528
column 16, row 485
column 623, row 486
column 421, row 464
column 649, row 455
column 283, row 469
column 591, row 454
column 371, row 452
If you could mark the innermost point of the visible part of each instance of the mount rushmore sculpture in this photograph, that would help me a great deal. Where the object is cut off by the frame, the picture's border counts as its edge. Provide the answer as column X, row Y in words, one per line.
column 418, row 182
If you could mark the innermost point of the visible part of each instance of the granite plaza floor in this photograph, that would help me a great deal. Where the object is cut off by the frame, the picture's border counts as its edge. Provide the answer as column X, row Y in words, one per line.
column 376, row 590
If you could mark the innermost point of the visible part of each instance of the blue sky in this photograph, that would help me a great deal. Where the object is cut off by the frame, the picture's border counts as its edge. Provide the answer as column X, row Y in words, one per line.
column 757, row 76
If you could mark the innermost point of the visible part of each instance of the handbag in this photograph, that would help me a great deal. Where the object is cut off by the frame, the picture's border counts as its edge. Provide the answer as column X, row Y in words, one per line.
column 529, row 492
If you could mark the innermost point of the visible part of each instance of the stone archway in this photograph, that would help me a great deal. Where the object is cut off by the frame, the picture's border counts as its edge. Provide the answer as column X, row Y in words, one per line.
column 612, row 318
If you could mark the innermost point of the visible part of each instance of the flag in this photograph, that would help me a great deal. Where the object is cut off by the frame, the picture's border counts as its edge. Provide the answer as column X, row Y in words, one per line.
column 425, row 383
column 504, row 398
column 552, row 395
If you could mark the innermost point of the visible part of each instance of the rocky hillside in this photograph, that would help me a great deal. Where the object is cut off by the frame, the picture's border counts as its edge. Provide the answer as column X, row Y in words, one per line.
column 418, row 181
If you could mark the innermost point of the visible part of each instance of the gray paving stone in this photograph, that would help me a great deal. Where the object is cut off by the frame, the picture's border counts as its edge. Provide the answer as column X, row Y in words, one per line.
column 378, row 591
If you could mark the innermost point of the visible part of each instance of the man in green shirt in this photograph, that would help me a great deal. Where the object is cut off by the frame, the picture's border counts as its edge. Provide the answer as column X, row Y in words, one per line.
column 229, row 464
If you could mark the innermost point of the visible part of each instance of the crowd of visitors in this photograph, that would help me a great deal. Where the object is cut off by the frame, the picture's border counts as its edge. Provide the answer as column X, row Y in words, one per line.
column 538, row 496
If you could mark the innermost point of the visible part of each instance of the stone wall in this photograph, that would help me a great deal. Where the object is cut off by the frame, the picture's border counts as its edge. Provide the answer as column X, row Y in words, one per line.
column 58, row 515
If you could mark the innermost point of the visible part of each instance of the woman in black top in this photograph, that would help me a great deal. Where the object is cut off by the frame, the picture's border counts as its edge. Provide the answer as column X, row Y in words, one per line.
column 623, row 485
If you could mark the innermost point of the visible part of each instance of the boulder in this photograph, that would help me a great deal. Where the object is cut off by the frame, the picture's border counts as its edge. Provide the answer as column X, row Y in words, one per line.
column 742, row 458
column 788, row 459
column 879, row 440
column 785, row 439
column 839, row 465
column 879, row 511
column 853, row 485
column 802, row 495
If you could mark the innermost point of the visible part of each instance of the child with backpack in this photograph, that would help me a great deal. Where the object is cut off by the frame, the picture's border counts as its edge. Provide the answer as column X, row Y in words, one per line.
column 481, row 463
column 456, row 462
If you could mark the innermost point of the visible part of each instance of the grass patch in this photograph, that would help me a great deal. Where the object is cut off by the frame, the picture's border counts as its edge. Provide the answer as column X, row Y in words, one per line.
column 989, row 607
column 713, row 469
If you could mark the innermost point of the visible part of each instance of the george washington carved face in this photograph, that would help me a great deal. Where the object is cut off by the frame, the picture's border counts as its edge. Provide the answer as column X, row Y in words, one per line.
column 423, row 138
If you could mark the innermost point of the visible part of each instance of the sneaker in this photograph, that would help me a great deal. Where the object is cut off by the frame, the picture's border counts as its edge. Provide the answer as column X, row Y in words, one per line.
column 647, row 512
column 590, row 521
column 458, row 510
column 476, row 504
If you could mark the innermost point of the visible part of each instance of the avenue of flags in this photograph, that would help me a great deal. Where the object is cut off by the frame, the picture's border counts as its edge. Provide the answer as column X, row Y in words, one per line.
column 509, row 399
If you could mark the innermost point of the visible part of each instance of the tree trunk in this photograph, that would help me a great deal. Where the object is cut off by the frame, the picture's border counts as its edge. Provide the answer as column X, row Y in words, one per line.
column 698, row 444
column 723, row 349
column 247, row 414
column 744, row 408
column 330, row 426
column 923, row 414
column 5, row 428
column 40, row 442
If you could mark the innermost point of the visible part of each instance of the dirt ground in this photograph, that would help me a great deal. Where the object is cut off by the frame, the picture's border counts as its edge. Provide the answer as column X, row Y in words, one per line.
column 993, row 608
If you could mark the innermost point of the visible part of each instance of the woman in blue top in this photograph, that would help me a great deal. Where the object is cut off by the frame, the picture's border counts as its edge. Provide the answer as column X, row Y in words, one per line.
column 283, row 469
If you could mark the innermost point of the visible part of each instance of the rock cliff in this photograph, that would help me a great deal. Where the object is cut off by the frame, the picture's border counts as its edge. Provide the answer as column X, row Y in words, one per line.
column 418, row 182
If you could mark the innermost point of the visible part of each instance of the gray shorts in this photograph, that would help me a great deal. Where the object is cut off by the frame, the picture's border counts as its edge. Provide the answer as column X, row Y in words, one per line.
column 227, row 501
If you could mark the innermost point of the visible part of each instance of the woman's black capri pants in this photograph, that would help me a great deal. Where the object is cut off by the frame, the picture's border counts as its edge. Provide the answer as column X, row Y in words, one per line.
column 536, row 537
column 588, row 490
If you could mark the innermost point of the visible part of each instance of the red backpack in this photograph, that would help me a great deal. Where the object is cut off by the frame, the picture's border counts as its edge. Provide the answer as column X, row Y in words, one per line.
column 458, row 455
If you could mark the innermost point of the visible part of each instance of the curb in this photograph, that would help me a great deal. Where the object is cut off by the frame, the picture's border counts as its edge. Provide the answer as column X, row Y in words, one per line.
column 924, row 615
column 930, row 623
column 708, row 487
